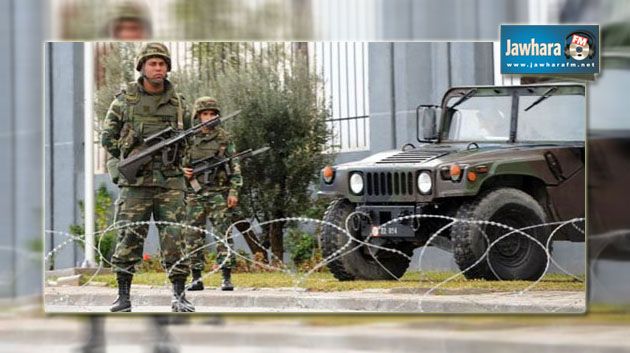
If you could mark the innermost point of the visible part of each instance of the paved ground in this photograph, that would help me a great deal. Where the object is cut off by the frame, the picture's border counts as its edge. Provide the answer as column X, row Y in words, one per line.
column 296, row 335
column 148, row 299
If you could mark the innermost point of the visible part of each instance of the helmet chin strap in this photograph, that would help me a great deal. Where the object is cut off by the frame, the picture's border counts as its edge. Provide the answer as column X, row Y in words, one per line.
column 144, row 76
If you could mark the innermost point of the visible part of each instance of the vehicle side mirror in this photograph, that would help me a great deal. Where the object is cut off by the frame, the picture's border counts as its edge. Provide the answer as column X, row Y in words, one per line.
column 426, row 122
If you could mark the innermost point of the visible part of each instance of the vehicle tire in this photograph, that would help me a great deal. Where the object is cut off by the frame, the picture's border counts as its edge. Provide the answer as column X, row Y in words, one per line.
column 515, row 257
column 347, row 266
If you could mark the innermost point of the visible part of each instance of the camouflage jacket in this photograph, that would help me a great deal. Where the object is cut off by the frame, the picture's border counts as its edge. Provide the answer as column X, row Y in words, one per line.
column 136, row 114
column 217, row 143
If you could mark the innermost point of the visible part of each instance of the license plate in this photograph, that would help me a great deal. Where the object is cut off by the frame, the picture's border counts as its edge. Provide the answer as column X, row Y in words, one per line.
column 378, row 231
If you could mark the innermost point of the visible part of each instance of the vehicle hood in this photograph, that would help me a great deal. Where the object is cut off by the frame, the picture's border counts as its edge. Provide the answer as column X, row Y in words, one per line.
column 434, row 154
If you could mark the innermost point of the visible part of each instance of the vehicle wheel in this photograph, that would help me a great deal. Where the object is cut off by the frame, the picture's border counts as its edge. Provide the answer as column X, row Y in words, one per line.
column 515, row 257
column 358, row 264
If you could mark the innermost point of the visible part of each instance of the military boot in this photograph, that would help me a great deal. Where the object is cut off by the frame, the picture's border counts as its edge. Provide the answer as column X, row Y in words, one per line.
column 226, row 284
column 197, row 283
column 123, row 301
column 180, row 304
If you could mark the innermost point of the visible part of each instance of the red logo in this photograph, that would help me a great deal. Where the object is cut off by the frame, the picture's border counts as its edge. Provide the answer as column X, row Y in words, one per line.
column 579, row 40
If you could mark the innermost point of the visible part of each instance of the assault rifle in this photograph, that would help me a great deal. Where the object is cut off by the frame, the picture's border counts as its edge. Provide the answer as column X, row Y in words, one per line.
column 206, row 167
column 161, row 142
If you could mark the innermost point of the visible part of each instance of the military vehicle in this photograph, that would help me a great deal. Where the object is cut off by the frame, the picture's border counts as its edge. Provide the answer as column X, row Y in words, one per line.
column 495, row 158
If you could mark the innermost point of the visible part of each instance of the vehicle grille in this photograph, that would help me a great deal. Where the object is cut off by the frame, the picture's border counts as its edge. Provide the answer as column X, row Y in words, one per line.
column 412, row 156
column 388, row 183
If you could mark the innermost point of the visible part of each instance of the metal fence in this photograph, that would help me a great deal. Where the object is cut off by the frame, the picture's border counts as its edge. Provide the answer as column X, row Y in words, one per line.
column 344, row 69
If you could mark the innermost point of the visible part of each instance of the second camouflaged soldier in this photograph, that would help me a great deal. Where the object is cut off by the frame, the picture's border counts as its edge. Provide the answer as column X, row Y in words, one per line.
column 145, row 107
column 215, row 199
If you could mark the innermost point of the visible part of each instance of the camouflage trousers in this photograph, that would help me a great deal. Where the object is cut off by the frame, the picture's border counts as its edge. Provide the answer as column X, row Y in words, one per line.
column 137, row 204
column 212, row 206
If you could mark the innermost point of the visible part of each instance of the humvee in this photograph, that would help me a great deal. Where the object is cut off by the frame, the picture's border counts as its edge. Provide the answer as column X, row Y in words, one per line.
column 499, row 157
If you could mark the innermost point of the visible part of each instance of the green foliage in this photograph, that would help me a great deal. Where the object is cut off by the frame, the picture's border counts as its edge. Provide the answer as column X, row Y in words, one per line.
column 103, row 216
column 317, row 209
column 118, row 69
column 280, row 110
column 211, row 261
column 300, row 245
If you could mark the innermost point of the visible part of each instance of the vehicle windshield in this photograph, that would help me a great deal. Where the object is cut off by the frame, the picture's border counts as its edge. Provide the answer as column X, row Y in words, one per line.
column 480, row 119
column 548, row 114
column 557, row 118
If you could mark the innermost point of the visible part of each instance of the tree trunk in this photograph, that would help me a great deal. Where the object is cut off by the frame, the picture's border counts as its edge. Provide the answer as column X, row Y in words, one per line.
column 277, row 241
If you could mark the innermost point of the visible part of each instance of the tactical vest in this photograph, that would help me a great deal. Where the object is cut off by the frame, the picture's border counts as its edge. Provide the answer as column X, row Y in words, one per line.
column 147, row 114
column 212, row 144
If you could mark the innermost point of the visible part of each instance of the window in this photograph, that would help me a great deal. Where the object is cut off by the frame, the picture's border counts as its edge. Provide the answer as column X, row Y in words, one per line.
column 557, row 118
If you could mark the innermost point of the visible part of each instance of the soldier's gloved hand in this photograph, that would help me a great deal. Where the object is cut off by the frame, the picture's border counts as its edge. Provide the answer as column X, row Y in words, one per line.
column 188, row 172
column 232, row 201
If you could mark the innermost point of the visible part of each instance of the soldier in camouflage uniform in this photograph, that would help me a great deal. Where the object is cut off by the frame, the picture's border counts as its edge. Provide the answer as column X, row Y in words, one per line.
column 213, row 201
column 145, row 107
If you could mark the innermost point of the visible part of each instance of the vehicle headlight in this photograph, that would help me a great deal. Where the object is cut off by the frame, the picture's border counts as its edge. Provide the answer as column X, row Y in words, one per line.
column 425, row 184
column 356, row 183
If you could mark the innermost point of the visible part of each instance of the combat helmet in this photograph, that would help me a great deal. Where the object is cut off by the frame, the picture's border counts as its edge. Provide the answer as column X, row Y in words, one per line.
column 151, row 50
column 205, row 103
